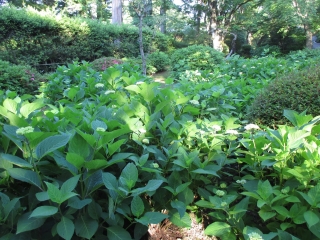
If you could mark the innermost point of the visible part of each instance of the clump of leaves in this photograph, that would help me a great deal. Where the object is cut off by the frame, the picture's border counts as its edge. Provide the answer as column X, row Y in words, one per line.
column 298, row 90
column 159, row 60
column 19, row 78
column 196, row 57
column 103, row 63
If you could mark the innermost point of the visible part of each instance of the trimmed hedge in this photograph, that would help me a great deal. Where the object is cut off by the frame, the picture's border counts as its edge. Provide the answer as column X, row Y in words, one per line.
column 298, row 91
column 35, row 39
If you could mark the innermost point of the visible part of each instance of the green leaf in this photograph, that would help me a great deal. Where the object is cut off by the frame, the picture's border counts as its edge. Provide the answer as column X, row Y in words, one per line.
column 112, row 148
column 28, row 108
column 110, row 181
column 281, row 210
column 8, row 207
column 208, row 171
column 264, row 189
column 265, row 215
column 25, row 223
column 311, row 218
column 147, row 91
column 70, row 184
column 65, row 228
column 129, row 175
column 10, row 105
column 137, row 206
column 205, row 204
column 54, row 193
column 15, row 160
column 292, row 199
column 295, row 139
column 79, row 146
column 75, row 159
column 110, row 136
column 50, row 144
column 90, row 139
column 180, row 206
column 184, row 221
column 44, row 211
column 98, row 124
column 217, row 229
column 94, row 210
column 151, row 218
column 25, row 176
column 96, row 164
column 314, row 194
column 76, row 203
column 42, row 196
column 117, row 233
column 86, row 227
column 182, row 187
column 93, row 182
column 152, row 185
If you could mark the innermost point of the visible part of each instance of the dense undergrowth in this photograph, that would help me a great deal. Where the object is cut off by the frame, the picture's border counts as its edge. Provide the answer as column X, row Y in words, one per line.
column 105, row 154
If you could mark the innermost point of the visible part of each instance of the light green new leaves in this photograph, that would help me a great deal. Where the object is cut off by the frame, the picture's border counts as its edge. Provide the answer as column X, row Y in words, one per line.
column 28, row 108
column 217, row 229
column 59, row 196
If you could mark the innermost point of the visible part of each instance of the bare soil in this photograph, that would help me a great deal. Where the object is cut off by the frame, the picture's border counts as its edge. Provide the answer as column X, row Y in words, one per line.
column 168, row 231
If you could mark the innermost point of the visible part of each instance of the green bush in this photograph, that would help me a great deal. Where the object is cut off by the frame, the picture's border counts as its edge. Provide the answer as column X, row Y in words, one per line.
column 196, row 57
column 159, row 60
column 103, row 63
column 298, row 90
column 19, row 78
column 44, row 40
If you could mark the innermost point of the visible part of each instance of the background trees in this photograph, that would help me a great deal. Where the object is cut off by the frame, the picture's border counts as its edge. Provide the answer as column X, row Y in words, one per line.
column 285, row 25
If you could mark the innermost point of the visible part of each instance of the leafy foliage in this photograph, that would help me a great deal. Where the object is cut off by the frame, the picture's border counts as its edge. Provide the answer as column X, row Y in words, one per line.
column 195, row 57
column 103, row 63
column 106, row 157
column 19, row 78
column 159, row 60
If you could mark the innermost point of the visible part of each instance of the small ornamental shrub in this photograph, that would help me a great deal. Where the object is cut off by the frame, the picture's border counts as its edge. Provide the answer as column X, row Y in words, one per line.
column 103, row 63
column 19, row 78
column 159, row 60
column 298, row 90
column 196, row 57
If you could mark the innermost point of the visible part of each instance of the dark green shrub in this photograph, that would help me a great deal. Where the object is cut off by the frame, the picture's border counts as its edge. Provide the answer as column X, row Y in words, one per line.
column 246, row 50
column 44, row 40
column 298, row 90
column 196, row 57
column 103, row 63
column 159, row 60
column 19, row 78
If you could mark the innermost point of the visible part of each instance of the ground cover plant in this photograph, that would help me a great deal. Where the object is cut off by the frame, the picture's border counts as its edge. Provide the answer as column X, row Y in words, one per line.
column 116, row 151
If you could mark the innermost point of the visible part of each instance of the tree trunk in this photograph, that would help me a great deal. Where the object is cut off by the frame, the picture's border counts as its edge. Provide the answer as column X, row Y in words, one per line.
column 143, row 58
column 163, row 13
column 233, row 45
column 309, row 34
column 116, row 12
